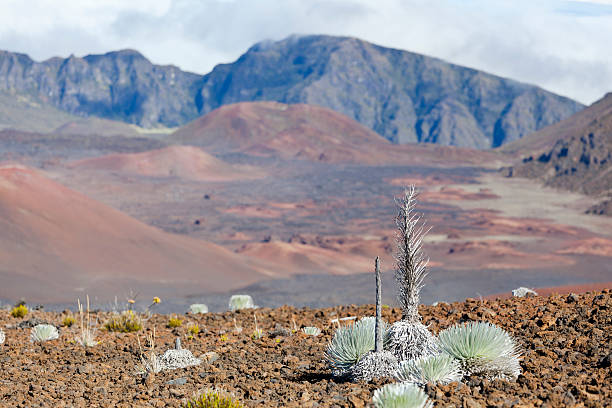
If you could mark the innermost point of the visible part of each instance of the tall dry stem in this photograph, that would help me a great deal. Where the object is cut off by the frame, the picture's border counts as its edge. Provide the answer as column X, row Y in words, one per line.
column 378, row 335
column 411, row 263
column 87, row 338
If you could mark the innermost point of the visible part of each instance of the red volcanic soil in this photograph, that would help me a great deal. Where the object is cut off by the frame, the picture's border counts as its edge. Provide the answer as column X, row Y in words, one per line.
column 317, row 254
column 582, row 288
column 494, row 254
column 57, row 243
column 299, row 258
column 312, row 133
column 186, row 162
column 591, row 246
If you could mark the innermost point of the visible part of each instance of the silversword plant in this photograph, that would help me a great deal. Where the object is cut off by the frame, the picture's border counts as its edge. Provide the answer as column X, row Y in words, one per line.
column 523, row 292
column 198, row 308
column 311, row 330
column 2, row 336
column 438, row 369
column 350, row 343
column 238, row 302
column 483, row 349
column 401, row 395
column 43, row 332
column 409, row 337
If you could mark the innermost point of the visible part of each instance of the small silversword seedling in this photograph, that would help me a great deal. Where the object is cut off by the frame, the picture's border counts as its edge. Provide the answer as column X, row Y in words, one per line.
column 441, row 368
column 401, row 395
column 198, row 308
column 483, row 349
column 350, row 343
column 311, row 330
column 43, row 332
column 238, row 302
column 2, row 336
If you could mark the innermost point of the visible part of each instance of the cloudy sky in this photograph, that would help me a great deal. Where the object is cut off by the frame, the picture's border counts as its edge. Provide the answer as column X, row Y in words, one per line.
column 563, row 46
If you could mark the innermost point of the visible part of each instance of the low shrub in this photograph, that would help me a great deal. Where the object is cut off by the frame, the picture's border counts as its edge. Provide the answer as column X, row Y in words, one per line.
column 174, row 322
column 19, row 311
column 124, row 322
column 213, row 399
column 401, row 395
column 194, row 329
column 68, row 321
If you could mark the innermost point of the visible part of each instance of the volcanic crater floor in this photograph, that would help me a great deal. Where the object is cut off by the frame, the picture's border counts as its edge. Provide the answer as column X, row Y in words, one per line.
column 565, row 339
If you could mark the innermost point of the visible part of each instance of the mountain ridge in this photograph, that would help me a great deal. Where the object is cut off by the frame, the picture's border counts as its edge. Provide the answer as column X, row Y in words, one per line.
column 403, row 96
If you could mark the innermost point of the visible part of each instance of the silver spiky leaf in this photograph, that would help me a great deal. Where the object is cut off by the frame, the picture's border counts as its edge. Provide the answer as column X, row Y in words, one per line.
column 401, row 395
column 374, row 364
column 438, row 369
column 411, row 263
column 482, row 349
column 409, row 340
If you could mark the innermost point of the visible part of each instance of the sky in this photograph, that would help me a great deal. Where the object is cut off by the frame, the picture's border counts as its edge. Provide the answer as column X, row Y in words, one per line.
column 563, row 46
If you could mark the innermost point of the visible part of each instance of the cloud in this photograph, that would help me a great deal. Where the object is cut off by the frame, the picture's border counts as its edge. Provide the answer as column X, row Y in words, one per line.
column 559, row 45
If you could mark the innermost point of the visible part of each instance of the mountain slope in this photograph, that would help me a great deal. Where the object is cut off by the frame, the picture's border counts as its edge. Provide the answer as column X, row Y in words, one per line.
column 403, row 96
column 575, row 154
column 23, row 112
column 545, row 138
column 311, row 133
column 56, row 243
column 285, row 130
column 121, row 85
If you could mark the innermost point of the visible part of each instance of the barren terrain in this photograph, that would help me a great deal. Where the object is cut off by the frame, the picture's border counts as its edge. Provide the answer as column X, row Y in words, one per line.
column 565, row 342
column 300, row 224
